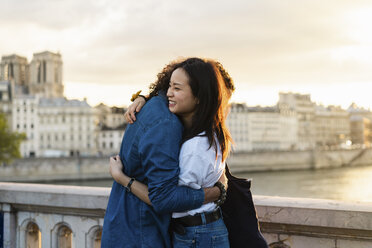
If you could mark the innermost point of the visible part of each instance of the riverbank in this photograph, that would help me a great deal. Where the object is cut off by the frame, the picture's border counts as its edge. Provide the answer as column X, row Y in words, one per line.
column 299, row 160
column 91, row 168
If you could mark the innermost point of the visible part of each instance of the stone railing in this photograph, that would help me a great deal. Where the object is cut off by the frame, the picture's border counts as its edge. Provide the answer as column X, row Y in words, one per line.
column 37, row 215
column 314, row 223
column 40, row 215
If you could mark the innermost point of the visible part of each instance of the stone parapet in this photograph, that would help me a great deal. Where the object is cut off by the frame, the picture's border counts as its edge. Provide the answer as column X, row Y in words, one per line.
column 54, row 216
column 309, row 223
column 62, row 215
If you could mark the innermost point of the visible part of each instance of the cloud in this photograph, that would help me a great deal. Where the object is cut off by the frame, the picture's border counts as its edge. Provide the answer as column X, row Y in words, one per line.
column 262, row 41
column 53, row 14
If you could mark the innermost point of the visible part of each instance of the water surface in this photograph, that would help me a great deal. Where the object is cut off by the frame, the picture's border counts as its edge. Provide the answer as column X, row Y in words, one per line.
column 347, row 183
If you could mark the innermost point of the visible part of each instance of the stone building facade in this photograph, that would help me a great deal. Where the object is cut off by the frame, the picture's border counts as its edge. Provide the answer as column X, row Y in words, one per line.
column 109, row 139
column 67, row 127
column 305, row 111
column 360, row 125
column 262, row 128
column 14, row 67
column 332, row 126
column 31, row 96
column 25, row 119
column 46, row 75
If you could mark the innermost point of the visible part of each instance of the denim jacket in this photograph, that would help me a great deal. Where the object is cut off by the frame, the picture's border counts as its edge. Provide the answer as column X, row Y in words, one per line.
column 149, row 152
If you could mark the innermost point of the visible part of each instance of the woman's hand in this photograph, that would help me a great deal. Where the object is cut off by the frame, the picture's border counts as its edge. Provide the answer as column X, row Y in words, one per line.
column 135, row 107
column 116, row 167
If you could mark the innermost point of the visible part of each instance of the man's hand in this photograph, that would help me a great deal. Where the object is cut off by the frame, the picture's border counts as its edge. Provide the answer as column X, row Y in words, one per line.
column 135, row 107
column 212, row 194
column 116, row 167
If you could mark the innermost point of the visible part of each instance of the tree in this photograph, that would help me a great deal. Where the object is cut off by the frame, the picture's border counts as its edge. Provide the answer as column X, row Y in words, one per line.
column 9, row 141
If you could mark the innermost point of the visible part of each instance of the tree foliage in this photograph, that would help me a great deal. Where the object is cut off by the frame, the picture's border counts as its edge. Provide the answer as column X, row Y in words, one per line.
column 9, row 141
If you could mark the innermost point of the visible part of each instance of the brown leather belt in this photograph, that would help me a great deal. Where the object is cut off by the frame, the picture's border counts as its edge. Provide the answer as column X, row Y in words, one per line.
column 196, row 220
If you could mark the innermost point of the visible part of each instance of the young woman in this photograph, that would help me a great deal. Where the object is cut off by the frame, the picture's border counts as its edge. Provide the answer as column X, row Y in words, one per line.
column 198, row 95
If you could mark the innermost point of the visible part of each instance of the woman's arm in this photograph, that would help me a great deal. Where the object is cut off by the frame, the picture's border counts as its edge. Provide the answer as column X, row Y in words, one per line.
column 135, row 107
column 138, row 189
column 141, row 190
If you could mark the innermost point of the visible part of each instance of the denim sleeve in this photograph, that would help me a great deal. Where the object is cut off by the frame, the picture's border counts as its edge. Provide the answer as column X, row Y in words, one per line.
column 159, row 150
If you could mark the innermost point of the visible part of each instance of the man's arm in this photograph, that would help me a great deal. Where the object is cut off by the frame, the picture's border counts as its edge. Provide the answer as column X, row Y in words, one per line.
column 141, row 190
column 159, row 149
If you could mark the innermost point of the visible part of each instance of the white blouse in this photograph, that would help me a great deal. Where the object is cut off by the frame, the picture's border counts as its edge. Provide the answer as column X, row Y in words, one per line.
column 199, row 168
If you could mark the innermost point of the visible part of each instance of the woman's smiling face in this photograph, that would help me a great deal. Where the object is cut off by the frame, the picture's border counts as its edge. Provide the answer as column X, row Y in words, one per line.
column 181, row 100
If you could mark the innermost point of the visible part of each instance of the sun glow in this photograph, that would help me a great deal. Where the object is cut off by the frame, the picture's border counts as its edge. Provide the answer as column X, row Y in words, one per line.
column 359, row 25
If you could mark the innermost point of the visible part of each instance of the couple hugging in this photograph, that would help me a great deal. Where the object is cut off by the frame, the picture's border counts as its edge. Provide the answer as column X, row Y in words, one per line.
column 170, row 174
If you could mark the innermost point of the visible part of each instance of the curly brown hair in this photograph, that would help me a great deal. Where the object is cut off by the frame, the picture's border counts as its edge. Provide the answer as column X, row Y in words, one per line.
column 163, row 77
column 213, row 86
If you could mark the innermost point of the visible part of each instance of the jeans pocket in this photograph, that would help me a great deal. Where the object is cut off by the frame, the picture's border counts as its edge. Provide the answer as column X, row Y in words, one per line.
column 183, row 241
column 220, row 241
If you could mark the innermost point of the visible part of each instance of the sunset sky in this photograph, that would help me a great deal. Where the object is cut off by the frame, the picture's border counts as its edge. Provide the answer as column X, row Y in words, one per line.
column 112, row 48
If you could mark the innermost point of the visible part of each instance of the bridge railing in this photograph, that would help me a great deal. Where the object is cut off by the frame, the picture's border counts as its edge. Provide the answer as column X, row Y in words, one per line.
column 40, row 215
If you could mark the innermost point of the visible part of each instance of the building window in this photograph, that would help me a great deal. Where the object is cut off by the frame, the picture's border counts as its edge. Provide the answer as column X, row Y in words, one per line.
column 97, row 239
column 56, row 73
column 44, row 71
column 6, row 71
column 11, row 70
column 64, row 237
column 38, row 68
column 33, row 236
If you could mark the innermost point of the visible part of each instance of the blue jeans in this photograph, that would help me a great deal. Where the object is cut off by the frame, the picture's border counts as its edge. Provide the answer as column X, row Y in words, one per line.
column 212, row 235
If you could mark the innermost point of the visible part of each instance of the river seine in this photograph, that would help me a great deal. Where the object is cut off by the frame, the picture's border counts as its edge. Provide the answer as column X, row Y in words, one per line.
column 347, row 183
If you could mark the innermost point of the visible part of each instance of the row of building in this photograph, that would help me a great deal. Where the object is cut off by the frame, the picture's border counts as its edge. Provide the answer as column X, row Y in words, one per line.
column 31, row 96
column 297, row 123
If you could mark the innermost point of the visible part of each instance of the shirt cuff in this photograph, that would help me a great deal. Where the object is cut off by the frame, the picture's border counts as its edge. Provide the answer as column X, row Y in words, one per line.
column 198, row 197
